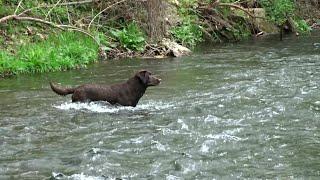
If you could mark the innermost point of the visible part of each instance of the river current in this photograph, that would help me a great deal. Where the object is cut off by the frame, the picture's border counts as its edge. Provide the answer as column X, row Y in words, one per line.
column 247, row 110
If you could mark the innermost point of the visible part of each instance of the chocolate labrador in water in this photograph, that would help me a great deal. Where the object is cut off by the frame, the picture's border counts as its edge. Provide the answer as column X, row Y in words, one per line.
column 126, row 94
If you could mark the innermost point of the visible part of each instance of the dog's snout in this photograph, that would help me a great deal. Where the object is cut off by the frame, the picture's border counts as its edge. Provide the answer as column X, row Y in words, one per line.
column 157, row 78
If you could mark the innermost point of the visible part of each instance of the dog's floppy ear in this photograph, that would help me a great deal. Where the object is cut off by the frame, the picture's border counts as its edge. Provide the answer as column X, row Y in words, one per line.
column 143, row 76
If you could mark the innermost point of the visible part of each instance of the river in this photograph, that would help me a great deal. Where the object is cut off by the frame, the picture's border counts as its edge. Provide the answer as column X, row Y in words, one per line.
column 230, row 111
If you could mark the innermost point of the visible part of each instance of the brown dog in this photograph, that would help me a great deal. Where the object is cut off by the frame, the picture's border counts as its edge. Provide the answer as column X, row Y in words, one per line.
column 126, row 94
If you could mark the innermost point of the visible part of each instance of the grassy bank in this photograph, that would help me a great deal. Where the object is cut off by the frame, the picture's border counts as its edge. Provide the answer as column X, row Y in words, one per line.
column 128, row 28
column 66, row 50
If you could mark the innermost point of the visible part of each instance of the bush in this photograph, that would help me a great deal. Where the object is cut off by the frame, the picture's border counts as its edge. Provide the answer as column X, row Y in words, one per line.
column 301, row 25
column 130, row 37
column 188, row 33
column 280, row 11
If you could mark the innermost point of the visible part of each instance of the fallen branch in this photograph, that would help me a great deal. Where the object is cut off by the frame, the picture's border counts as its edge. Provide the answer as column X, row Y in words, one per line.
column 6, row 18
column 59, row 26
column 237, row 7
column 60, row 4
column 232, row 5
column 37, row 20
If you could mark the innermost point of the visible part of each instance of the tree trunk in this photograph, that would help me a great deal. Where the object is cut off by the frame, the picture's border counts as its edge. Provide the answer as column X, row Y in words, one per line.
column 155, row 19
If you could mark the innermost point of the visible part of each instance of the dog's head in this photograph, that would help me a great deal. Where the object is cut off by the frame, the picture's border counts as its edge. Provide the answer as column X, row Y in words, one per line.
column 147, row 78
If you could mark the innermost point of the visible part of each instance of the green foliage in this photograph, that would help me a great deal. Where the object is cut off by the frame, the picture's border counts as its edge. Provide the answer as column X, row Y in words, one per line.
column 229, row 1
column 278, row 11
column 67, row 50
column 188, row 3
column 5, row 10
column 302, row 26
column 102, row 40
column 60, row 13
column 188, row 33
column 130, row 37
column 240, row 31
column 238, row 25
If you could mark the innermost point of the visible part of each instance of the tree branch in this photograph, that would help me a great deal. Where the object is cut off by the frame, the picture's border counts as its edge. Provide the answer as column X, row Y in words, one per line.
column 103, row 11
column 15, row 12
column 237, row 7
column 61, row 4
column 232, row 5
column 37, row 20
column 3, row 19
column 59, row 26
column 55, row 5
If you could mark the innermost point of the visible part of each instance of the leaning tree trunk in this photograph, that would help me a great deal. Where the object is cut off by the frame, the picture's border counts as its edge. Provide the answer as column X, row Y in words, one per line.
column 155, row 19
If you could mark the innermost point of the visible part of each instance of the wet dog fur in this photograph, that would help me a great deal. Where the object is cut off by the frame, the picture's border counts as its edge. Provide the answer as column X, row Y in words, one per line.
column 126, row 94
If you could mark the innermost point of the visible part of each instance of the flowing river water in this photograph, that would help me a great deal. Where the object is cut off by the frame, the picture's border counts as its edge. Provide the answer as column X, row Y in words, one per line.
column 233, row 111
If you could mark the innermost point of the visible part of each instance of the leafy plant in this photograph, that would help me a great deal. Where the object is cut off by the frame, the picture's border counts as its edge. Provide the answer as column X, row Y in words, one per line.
column 240, row 31
column 102, row 40
column 130, row 37
column 278, row 11
column 302, row 26
column 188, row 33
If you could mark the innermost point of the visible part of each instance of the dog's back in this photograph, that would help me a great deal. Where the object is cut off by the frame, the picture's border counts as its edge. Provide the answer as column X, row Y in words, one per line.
column 126, row 94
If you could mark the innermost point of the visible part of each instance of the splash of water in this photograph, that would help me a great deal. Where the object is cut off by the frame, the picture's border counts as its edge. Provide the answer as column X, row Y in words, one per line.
column 104, row 107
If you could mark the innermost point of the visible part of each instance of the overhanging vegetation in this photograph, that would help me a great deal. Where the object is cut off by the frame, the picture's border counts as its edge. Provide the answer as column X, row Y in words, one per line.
column 127, row 27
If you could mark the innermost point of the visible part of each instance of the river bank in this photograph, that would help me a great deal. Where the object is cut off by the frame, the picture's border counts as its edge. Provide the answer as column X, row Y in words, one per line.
column 42, row 37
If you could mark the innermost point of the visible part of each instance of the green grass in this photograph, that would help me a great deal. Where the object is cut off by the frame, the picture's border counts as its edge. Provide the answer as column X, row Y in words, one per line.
column 67, row 50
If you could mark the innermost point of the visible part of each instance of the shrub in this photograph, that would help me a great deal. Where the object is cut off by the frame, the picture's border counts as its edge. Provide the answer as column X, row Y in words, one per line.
column 301, row 25
column 279, row 11
column 130, row 37
column 188, row 33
